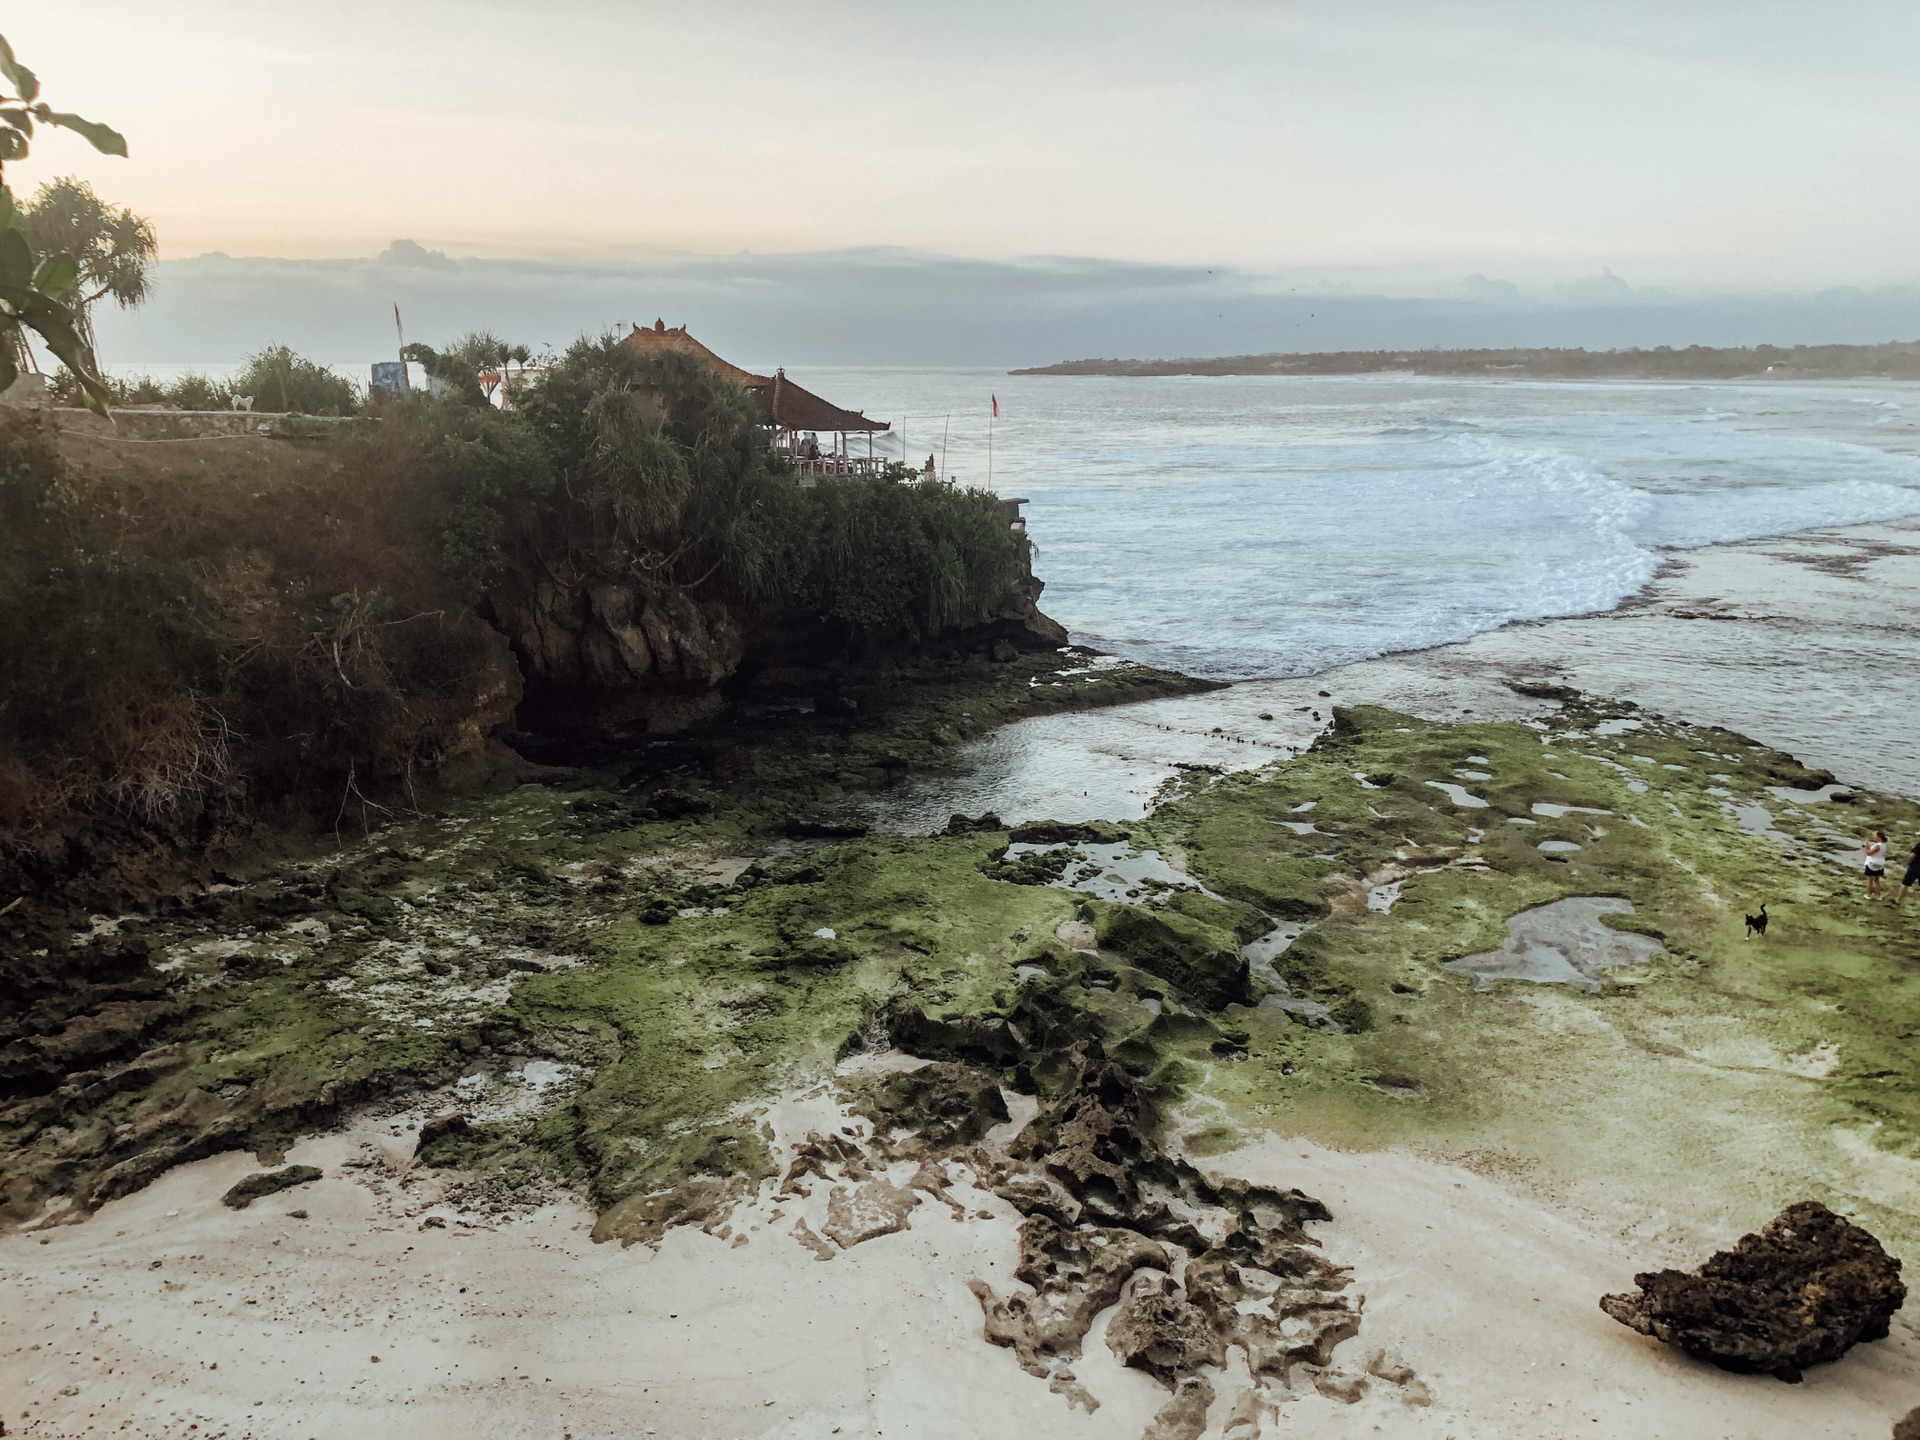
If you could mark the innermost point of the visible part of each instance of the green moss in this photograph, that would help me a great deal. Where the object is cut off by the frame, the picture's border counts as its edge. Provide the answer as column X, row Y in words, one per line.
column 1658, row 1080
column 1200, row 958
column 687, row 1003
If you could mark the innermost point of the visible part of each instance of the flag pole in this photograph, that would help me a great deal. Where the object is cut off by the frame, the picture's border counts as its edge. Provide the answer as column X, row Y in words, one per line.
column 401, row 334
column 992, row 416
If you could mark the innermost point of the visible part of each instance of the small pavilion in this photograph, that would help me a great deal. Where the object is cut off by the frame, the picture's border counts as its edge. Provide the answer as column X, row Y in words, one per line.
column 795, row 417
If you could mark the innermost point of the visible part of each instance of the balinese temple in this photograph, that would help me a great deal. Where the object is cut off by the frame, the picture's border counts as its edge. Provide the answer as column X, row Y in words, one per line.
column 796, row 417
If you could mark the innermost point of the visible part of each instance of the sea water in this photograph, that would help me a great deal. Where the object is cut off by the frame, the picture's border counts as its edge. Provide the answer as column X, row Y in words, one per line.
column 1257, row 527
column 1265, row 527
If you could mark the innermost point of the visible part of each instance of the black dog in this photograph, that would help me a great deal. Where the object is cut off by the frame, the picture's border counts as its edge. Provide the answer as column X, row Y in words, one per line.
column 1757, row 924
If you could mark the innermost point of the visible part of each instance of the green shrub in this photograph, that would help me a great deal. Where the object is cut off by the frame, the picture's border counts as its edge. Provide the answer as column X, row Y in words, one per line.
column 190, row 392
column 111, row 663
column 621, row 465
column 279, row 380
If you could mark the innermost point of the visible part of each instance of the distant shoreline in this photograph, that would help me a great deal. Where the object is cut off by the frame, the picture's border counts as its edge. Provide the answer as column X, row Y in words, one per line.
column 1899, row 360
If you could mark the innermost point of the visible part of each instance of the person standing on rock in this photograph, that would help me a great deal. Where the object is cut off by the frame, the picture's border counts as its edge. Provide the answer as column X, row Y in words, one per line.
column 1912, row 877
column 1876, row 850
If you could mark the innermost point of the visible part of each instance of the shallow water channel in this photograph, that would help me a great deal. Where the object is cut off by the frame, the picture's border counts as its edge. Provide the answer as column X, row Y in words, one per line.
column 1562, row 943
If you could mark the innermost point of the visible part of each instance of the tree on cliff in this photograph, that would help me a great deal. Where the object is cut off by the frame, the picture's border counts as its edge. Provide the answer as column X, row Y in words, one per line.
column 459, row 367
column 30, row 294
column 650, row 473
column 113, row 248
column 278, row 379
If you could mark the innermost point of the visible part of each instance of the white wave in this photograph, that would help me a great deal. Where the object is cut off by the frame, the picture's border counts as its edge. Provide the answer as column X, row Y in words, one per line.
column 1686, row 522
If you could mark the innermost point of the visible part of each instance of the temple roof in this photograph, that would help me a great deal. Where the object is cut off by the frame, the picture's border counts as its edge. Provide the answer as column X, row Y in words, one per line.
column 781, row 402
column 659, row 338
column 793, row 407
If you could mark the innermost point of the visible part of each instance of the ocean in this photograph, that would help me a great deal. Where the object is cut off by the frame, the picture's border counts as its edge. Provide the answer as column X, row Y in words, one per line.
column 1266, row 527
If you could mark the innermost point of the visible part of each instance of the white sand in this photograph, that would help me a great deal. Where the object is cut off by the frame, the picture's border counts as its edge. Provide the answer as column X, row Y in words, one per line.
column 1487, row 1291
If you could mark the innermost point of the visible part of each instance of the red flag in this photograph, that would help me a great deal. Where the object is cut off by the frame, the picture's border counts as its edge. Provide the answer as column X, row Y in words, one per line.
column 996, row 407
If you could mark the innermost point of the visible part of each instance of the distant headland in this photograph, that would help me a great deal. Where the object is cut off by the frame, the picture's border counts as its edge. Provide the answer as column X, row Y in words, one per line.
column 1897, row 361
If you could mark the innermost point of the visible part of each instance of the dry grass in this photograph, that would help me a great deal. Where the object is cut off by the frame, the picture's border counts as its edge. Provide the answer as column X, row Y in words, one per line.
column 199, row 628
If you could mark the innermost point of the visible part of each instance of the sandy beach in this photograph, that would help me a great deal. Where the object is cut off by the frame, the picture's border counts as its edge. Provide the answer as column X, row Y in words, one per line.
column 169, row 1314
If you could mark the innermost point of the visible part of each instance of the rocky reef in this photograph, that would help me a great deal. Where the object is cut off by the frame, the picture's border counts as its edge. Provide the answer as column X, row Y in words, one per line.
column 1195, row 1266
column 1801, row 1292
column 617, row 978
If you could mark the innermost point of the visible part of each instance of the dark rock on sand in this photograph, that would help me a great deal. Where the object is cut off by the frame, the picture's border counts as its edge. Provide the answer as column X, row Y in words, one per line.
column 268, row 1182
column 943, row 1104
column 1157, row 1330
column 439, row 1126
column 1802, row 1292
column 1909, row 1428
column 1107, row 1212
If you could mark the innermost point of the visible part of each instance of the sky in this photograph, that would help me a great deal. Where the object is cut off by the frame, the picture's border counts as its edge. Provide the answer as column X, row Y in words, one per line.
column 1529, row 159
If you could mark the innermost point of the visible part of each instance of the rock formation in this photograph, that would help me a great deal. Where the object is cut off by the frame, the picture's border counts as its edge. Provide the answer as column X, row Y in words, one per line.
column 1197, row 1266
column 1803, row 1291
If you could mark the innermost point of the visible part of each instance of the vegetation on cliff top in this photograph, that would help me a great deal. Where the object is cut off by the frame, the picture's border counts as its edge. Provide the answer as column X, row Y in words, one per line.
column 651, row 470
column 192, row 634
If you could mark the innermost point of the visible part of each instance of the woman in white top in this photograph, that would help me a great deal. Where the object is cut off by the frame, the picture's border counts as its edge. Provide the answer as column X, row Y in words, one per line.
column 1876, row 850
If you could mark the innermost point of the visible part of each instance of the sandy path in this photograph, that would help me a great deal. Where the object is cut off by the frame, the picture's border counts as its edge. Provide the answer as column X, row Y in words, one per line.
column 258, row 1324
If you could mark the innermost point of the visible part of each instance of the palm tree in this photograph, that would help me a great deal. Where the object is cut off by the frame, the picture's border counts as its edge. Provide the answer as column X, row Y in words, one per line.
column 32, row 296
column 113, row 247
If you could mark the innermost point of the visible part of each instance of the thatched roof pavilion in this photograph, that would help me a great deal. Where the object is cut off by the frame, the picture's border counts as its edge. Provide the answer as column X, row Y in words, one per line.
column 787, row 409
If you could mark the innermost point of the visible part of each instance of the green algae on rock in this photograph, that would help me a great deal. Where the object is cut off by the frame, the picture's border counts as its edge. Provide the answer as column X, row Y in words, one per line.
column 1643, row 1075
column 602, row 919
column 683, row 963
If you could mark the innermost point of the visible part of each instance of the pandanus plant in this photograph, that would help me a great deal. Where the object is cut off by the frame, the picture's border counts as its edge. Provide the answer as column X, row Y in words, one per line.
column 33, row 290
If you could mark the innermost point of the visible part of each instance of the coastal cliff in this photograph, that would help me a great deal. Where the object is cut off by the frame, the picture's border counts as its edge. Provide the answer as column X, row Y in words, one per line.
column 214, row 642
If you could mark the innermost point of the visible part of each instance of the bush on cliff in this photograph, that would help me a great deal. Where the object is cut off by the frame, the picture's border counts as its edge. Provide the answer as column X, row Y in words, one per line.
column 651, row 470
column 188, row 635
column 279, row 380
column 179, row 648
column 108, row 659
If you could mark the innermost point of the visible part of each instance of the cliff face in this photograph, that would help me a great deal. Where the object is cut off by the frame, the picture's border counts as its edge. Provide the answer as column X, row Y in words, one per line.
column 207, row 638
column 614, row 655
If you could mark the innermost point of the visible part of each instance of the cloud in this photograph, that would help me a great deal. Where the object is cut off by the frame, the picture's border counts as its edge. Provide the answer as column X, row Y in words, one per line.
column 906, row 307
column 1493, row 292
column 417, row 256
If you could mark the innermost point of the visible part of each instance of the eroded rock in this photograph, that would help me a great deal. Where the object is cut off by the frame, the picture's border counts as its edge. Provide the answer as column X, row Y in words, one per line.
column 1184, row 1417
column 268, row 1182
column 942, row 1104
column 1075, row 1273
column 1109, row 1217
column 1803, row 1291
column 700, row 1200
column 859, row 1213
column 1157, row 1330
